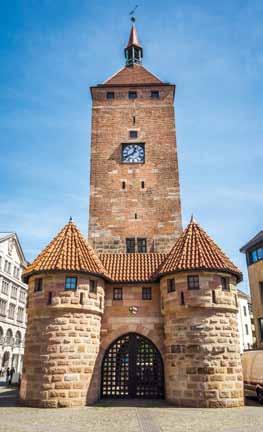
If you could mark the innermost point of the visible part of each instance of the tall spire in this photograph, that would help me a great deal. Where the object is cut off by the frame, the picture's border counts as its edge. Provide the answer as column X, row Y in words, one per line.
column 133, row 51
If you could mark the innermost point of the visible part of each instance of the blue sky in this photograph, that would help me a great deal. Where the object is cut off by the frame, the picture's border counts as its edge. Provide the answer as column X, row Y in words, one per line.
column 52, row 51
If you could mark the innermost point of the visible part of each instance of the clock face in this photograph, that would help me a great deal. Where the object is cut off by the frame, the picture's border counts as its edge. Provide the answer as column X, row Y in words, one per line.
column 133, row 153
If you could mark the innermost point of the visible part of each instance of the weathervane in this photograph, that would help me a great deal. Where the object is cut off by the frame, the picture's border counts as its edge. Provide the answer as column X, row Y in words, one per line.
column 132, row 13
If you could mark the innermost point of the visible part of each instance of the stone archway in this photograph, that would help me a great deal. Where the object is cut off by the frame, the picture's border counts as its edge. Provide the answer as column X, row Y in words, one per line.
column 132, row 367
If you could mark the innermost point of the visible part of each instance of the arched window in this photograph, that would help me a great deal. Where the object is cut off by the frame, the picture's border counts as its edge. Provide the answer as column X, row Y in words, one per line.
column 18, row 338
column 9, row 337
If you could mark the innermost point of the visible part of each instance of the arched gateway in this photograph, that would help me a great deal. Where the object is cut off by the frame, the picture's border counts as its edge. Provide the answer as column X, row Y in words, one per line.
column 132, row 368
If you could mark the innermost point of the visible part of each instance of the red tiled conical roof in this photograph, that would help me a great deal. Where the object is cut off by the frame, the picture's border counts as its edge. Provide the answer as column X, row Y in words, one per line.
column 195, row 250
column 68, row 251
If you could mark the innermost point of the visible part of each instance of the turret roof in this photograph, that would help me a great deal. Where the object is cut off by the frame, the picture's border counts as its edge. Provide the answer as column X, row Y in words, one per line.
column 68, row 251
column 194, row 250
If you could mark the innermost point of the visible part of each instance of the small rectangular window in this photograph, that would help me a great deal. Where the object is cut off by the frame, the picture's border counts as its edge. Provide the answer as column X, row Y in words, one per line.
column 146, row 293
column 155, row 94
column 170, row 285
column 246, row 327
column 49, row 299
column 213, row 296
column 260, row 323
column 117, row 293
column 245, row 311
column 133, row 134
column 38, row 285
column 182, row 298
column 123, row 185
column 130, row 245
column 110, row 95
column 142, row 245
column 132, row 95
column 81, row 298
column 142, row 184
column 71, row 283
column 93, row 286
column 193, row 282
column 225, row 284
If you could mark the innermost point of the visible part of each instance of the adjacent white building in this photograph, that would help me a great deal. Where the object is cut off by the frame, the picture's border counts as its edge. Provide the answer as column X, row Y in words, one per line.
column 244, row 322
column 13, row 298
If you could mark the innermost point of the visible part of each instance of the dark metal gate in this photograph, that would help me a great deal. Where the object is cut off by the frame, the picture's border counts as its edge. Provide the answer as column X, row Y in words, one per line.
column 132, row 368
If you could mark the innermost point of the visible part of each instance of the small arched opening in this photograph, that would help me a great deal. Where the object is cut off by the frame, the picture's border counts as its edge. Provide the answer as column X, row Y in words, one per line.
column 18, row 338
column 9, row 337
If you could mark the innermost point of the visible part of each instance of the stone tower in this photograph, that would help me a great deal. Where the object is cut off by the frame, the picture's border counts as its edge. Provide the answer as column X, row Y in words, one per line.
column 202, row 352
column 114, row 324
column 134, row 184
column 66, row 302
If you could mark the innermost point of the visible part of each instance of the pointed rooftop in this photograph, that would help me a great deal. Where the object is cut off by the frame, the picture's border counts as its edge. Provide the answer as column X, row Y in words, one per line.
column 133, row 39
column 130, row 75
column 68, row 251
column 195, row 250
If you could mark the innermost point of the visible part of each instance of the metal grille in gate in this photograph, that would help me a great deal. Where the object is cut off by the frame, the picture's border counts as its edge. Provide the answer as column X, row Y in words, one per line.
column 132, row 368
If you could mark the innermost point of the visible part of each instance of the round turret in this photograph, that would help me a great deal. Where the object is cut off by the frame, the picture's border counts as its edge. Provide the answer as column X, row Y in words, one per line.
column 199, row 305
column 65, row 305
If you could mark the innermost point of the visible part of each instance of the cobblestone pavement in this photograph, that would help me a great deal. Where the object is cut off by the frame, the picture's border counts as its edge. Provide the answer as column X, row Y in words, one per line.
column 127, row 417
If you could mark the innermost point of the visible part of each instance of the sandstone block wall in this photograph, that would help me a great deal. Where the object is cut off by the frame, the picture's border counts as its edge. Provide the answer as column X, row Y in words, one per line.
column 202, row 355
column 118, row 320
column 156, row 206
column 62, row 343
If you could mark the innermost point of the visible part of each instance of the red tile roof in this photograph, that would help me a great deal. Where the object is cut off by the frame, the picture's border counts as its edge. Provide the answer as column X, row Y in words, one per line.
column 68, row 251
column 195, row 250
column 134, row 74
column 132, row 267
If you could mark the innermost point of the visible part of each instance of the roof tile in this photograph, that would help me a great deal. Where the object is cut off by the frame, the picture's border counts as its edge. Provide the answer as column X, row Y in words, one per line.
column 195, row 250
column 68, row 251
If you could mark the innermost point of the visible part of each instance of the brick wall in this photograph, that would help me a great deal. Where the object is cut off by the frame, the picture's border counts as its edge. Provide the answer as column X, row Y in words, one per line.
column 157, row 206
